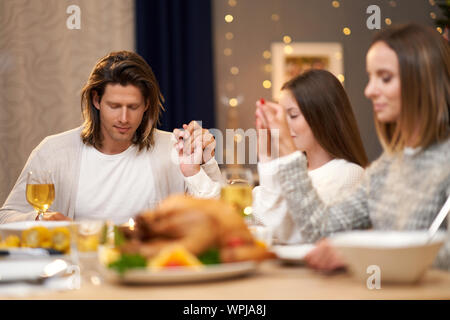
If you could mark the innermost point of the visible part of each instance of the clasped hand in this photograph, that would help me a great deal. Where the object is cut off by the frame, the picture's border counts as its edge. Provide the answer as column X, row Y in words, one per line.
column 195, row 146
column 274, row 137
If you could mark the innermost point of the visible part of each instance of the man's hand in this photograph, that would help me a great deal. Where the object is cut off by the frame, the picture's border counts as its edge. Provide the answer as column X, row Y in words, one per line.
column 54, row 216
column 324, row 257
column 272, row 116
column 195, row 146
column 194, row 132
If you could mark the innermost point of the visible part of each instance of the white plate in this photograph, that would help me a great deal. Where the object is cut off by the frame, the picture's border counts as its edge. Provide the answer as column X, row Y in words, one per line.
column 16, row 270
column 16, row 228
column 292, row 253
column 182, row 274
column 23, row 225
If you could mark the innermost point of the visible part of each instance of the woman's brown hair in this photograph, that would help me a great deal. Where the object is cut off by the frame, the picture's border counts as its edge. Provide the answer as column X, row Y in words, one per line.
column 327, row 110
column 124, row 68
column 424, row 68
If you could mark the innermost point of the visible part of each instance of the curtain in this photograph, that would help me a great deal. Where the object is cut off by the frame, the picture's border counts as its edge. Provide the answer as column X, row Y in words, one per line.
column 175, row 38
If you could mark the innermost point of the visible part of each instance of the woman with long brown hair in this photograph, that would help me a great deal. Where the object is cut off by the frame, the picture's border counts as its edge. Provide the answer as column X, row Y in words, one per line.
column 322, row 126
column 409, row 80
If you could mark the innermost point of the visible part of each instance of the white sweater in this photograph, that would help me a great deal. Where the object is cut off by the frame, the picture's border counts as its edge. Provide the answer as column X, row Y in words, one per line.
column 270, row 208
column 62, row 154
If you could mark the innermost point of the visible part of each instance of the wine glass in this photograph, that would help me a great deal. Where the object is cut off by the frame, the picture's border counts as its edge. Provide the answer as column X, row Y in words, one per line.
column 237, row 189
column 40, row 191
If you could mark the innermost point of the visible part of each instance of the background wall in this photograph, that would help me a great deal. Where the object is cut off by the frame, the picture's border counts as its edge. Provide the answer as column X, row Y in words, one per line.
column 44, row 65
column 304, row 21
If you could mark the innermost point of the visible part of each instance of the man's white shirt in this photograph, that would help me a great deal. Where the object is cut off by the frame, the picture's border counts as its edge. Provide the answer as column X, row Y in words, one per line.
column 114, row 187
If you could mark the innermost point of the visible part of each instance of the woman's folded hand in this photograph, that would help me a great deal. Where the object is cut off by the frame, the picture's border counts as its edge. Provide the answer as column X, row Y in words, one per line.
column 272, row 116
column 324, row 257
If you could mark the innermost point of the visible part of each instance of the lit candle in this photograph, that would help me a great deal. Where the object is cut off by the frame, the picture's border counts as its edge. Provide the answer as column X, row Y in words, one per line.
column 131, row 224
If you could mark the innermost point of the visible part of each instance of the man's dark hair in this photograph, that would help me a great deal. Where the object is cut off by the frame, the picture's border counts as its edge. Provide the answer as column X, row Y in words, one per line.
column 124, row 68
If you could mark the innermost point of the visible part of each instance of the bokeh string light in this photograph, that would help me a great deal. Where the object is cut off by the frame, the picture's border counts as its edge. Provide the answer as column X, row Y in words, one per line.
column 335, row 4
column 392, row 3
column 232, row 99
column 229, row 18
column 274, row 21
column 346, row 31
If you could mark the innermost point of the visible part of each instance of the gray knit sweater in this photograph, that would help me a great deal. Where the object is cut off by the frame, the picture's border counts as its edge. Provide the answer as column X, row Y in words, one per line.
column 398, row 192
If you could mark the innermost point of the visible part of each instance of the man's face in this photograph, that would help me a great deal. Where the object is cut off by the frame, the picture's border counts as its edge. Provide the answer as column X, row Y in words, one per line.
column 121, row 110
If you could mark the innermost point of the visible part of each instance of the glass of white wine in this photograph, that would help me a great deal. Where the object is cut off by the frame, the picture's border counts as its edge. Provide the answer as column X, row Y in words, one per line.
column 237, row 190
column 40, row 191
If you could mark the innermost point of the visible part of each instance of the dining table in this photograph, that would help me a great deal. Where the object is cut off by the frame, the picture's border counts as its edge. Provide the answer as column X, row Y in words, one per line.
column 271, row 280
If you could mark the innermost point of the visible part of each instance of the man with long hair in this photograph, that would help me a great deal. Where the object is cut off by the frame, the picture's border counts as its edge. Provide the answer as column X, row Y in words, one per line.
column 117, row 163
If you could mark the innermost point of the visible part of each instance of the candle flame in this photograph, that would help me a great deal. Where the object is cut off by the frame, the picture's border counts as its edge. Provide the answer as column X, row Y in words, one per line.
column 131, row 224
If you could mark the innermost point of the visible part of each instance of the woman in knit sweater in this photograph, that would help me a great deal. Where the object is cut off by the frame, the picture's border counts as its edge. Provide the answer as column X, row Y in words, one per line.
column 409, row 75
column 323, row 126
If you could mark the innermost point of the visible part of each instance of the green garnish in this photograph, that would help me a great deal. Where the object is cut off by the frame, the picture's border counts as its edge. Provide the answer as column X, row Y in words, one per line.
column 104, row 237
column 128, row 261
column 210, row 256
column 119, row 237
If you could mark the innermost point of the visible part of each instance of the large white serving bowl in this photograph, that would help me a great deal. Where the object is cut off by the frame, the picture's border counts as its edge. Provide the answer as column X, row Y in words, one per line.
column 402, row 256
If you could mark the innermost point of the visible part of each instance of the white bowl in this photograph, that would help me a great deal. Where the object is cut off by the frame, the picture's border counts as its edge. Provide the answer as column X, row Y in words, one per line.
column 402, row 256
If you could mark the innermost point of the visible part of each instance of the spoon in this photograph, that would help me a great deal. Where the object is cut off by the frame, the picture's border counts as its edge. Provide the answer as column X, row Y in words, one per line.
column 53, row 269
column 439, row 219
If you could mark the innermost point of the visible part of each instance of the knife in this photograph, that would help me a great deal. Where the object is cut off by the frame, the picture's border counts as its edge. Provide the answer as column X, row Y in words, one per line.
column 28, row 252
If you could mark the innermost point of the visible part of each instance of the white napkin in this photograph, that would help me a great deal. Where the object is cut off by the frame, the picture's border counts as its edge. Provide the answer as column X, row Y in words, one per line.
column 18, row 276
column 25, row 289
